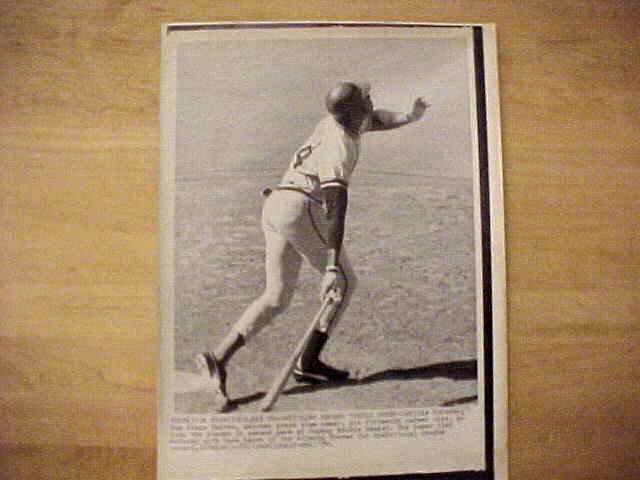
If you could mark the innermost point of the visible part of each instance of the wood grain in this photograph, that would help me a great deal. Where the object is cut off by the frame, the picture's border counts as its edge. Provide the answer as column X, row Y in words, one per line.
column 79, row 157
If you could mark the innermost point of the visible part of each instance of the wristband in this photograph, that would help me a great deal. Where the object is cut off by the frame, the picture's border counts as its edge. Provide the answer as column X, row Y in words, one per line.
column 332, row 268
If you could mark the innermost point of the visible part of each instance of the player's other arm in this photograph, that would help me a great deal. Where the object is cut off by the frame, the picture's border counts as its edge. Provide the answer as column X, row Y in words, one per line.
column 388, row 120
column 336, row 199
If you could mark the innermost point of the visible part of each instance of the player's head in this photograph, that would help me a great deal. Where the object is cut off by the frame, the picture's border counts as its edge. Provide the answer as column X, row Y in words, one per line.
column 348, row 99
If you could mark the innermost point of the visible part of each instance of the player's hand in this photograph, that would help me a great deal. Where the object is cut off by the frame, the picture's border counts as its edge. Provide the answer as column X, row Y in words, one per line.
column 331, row 281
column 419, row 107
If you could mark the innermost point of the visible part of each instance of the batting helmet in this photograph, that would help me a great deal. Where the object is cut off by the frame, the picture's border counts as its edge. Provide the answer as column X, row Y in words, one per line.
column 346, row 96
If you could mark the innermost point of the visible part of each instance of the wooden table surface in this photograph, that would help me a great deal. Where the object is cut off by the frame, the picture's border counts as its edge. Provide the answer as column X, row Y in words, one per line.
column 79, row 156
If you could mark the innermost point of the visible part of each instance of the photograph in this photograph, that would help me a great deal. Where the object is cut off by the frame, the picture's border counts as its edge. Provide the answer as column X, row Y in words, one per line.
column 326, row 232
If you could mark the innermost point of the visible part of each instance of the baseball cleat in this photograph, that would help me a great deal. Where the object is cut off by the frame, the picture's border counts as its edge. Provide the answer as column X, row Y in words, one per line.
column 211, row 369
column 319, row 372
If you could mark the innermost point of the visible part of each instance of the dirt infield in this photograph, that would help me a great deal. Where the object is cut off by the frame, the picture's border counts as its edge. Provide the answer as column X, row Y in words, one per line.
column 409, row 336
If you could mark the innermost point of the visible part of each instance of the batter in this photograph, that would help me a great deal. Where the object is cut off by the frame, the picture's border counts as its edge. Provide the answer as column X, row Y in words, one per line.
column 304, row 219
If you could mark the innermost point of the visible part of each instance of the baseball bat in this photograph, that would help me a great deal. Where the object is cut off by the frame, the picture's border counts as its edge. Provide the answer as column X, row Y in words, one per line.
column 272, row 395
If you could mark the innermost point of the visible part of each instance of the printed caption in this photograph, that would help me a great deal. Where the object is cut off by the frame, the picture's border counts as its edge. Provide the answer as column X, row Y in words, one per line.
column 307, row 430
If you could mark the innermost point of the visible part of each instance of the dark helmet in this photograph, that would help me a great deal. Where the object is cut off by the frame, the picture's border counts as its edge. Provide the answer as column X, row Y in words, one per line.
column 346, row 96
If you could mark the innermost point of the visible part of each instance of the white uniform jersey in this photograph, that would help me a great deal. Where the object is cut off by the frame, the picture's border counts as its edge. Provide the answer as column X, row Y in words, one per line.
column 327, row 158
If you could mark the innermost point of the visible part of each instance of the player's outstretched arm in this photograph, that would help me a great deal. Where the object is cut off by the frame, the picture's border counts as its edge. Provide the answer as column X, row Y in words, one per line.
column 388, row 120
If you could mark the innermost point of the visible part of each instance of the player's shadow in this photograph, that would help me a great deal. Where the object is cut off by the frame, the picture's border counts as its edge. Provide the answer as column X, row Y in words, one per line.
column 460, row 370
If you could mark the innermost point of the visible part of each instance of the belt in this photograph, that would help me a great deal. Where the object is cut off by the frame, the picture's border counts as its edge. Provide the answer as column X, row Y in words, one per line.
column 297, row 189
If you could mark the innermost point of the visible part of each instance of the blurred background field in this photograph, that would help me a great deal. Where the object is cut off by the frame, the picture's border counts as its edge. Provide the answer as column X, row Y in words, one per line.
column 410, row 239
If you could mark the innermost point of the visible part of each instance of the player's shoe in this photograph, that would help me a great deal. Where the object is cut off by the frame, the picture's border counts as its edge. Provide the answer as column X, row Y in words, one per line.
column 211, row 369
column 319, row 372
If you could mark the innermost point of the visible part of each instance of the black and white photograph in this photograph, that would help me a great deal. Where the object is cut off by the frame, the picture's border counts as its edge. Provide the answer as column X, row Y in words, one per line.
column 332, row 253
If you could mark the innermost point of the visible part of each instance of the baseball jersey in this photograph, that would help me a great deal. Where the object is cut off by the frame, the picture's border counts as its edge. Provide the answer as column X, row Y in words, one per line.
column 326, row 158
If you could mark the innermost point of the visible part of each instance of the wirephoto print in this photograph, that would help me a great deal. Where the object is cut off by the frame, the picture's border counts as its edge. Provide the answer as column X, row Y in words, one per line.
column 332, row 259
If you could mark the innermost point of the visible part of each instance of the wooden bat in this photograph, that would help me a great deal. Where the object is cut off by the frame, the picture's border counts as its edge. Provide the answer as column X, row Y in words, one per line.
column 328, row 305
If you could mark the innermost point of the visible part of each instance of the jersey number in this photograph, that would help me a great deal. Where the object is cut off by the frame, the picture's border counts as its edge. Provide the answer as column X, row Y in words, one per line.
column 302, row 155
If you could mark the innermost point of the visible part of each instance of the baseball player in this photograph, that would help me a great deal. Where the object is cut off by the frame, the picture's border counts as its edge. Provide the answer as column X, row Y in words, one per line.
column 304, row 218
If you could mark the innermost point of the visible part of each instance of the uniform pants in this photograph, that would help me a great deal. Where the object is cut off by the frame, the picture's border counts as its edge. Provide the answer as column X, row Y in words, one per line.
column 295, row 228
